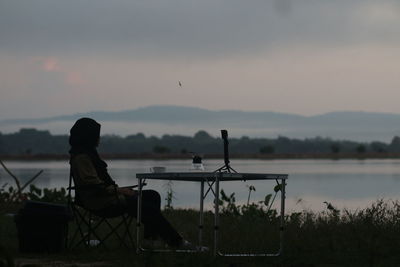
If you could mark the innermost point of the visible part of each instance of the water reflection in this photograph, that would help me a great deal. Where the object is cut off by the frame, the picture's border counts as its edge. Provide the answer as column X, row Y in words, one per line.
column 348, row 184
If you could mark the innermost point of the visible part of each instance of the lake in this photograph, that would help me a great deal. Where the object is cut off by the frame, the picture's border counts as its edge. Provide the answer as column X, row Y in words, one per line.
column 350, row 184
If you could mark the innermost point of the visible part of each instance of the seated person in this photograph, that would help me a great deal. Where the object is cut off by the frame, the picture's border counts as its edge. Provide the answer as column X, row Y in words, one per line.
column 97, row 191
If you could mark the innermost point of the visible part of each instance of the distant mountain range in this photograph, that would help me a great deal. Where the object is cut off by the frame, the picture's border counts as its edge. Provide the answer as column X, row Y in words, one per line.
column 159, row 120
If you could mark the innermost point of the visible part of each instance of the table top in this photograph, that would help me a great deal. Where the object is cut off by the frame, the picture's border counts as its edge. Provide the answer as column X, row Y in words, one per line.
column 210, row 176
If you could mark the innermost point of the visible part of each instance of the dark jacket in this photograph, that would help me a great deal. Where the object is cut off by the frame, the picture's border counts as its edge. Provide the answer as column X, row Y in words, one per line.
column 95, row 189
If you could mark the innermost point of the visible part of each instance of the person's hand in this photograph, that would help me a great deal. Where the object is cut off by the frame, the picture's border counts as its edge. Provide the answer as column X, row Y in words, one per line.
column 126, row 191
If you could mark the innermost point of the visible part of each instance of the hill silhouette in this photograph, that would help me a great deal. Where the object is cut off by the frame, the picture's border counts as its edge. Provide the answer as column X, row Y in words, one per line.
column 159, row 120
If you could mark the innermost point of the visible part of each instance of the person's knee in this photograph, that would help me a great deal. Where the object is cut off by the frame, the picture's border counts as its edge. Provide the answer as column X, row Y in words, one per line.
column 153, row 197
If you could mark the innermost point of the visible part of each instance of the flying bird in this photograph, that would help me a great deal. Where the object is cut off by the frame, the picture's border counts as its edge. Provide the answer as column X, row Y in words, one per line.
column 179, row 83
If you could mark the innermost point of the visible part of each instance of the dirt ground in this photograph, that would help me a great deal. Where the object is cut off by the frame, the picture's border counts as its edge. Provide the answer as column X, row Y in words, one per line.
column 26, row 262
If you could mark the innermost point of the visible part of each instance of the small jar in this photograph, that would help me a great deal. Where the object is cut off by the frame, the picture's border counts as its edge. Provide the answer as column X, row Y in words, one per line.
column 197, row 164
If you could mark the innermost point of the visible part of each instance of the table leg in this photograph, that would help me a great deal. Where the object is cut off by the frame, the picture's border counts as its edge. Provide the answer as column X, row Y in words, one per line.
column 139, row 215
column 282, row 228
column 201, row 213
column 216, row 215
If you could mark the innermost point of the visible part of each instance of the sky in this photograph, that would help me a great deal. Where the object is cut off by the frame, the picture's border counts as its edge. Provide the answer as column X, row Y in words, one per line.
column 294, row 56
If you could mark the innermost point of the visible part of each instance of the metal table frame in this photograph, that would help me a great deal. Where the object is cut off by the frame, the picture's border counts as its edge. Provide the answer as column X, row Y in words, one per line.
column 212, row 182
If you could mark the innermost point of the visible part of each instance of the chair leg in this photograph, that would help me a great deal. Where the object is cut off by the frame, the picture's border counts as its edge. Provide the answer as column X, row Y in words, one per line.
column 79, row 220
column 88, row 228
column 114, row 230
column 128, row 223
column 84, row 219
column 93, row 231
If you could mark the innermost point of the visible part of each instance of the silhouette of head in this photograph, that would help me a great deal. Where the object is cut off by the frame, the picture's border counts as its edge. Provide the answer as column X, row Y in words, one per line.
column 85, row 133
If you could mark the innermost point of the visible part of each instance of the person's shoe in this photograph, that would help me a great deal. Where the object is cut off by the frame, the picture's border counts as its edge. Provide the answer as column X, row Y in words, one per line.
column 186, row 245
column 153, row 244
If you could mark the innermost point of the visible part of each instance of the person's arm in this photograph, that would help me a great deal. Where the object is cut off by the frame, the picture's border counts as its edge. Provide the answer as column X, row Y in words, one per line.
column 126, row 191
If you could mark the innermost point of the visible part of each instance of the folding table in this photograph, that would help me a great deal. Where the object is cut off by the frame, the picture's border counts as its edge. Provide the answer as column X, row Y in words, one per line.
column 210, row 182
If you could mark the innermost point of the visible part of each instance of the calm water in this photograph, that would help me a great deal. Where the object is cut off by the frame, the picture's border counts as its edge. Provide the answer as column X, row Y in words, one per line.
column 348, row 184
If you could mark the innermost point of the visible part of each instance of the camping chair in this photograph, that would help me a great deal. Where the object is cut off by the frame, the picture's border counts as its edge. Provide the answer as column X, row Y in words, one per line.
column 94, row 228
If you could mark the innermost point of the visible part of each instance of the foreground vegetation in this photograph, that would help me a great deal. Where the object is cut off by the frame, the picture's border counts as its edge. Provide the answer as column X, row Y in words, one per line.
column 368, row 237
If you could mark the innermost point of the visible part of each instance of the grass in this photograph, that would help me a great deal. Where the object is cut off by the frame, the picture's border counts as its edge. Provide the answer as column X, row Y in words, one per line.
column 368, row 237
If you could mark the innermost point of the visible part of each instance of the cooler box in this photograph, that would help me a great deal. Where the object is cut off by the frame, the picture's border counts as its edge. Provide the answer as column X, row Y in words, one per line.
column 42, row 227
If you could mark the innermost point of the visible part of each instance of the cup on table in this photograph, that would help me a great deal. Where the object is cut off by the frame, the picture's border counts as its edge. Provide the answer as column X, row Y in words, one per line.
column 157, row 169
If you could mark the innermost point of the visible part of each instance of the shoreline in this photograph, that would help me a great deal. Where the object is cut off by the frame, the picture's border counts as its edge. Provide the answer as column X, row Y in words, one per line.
column 147, row 156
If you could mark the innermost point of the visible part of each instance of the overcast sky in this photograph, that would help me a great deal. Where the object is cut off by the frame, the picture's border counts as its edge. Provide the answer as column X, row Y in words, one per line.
column 301, row 56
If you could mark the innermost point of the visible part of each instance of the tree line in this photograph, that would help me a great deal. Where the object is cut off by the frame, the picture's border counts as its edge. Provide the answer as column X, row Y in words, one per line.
column 42, row 142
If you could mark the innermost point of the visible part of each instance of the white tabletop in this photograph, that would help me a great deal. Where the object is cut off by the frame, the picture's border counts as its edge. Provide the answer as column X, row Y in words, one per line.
column 210, row 176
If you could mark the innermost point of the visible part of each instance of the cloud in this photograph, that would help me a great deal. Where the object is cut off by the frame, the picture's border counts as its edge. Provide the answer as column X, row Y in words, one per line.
column 380, row 13
column 265, row 54
column 74, row 78
column 283, row 7
column 51, row 64
column 190, row 29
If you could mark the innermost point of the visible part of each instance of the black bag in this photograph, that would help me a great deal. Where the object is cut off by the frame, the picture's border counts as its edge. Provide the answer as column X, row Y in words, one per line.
column 42, row 227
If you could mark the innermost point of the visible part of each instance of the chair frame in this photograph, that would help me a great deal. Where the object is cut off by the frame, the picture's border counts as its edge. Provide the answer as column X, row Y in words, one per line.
column 88, row 224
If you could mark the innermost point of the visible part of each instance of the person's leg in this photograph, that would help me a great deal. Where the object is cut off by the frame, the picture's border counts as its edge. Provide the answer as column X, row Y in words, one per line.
column 152, row 198
column 155, row 224
column 151, row 204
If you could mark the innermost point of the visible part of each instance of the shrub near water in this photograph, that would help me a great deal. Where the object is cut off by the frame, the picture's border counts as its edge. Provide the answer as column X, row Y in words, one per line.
column 368, row 237
column 11, row 199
